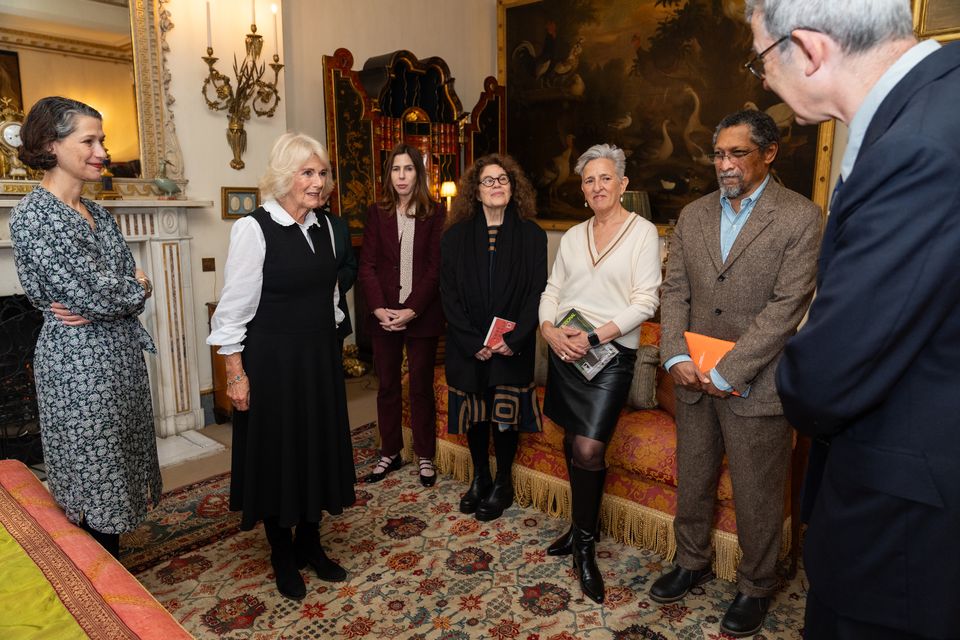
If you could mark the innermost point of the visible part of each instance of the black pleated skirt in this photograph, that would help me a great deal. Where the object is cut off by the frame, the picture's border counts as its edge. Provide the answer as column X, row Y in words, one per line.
column 589, row 408
column 292, row 454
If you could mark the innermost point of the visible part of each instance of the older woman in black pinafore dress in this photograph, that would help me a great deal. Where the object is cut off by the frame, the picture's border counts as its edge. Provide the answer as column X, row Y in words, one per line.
column 276, row 321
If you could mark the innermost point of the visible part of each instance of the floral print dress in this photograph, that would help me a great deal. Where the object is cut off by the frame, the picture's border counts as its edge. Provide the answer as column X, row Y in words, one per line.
column 96, row 416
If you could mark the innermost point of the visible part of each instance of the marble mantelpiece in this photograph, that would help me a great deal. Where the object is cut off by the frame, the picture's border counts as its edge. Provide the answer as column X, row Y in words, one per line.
column 157, row 234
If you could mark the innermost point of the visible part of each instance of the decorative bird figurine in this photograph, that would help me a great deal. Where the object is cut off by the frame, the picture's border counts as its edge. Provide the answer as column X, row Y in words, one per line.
column 168, row 188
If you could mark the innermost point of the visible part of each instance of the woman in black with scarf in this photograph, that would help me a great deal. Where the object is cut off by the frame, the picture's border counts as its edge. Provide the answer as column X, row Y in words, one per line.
column 494, row 265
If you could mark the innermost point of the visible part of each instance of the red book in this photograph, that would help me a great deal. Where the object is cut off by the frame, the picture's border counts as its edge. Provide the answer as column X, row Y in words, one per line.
column 498, row 327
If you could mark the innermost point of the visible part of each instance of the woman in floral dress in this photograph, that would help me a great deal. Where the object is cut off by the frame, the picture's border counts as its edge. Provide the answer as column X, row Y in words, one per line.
column 96, row 417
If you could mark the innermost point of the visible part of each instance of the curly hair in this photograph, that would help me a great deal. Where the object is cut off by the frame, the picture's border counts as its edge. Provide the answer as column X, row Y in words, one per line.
column 50, row 119
column 467, row 203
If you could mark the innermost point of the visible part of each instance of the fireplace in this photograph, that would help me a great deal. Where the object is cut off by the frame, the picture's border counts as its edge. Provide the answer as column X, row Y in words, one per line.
column 19, row 426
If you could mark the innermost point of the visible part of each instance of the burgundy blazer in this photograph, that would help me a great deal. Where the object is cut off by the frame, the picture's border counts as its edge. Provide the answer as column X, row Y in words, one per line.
column 379, row 273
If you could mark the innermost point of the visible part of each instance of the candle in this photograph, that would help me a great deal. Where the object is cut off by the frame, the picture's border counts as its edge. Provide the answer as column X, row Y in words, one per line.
column 276, row 40
column 253, row 11
column 209, row 32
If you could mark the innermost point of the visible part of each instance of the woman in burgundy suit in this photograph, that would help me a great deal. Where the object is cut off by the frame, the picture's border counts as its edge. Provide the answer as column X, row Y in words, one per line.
column 400, row 276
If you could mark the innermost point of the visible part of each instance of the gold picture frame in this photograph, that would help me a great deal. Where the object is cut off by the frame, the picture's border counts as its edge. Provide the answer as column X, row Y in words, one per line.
column 939, row 19
column 237, row 202
column 580, row 72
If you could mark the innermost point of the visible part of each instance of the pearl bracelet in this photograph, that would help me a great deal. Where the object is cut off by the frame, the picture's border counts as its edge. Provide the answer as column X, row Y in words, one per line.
column 234, row 381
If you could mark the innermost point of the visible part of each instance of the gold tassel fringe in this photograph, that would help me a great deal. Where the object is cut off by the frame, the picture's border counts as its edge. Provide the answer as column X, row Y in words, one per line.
column 621, row 519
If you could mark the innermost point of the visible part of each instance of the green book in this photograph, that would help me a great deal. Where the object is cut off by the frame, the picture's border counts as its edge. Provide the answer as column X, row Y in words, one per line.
column 597, row 357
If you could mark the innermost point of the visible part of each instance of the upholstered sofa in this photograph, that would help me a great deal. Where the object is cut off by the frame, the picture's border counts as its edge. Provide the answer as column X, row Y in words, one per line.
column 641, row 492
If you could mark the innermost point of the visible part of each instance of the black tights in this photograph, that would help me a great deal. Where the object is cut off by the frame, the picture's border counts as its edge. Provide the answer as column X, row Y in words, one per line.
column 109, row 541
column 587, row 453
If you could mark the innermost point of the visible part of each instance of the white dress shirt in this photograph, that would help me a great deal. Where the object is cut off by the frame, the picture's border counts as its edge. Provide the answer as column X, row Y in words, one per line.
column 243, row 277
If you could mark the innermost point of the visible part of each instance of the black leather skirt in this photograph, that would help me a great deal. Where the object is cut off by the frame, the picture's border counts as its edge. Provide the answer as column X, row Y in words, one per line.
column 589, row 408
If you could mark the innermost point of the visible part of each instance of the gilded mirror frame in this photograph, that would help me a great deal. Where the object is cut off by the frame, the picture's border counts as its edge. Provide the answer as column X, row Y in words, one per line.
column 149, row 23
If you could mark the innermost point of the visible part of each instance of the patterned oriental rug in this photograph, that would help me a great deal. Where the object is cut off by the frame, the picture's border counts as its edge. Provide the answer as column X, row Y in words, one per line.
column 418, row 569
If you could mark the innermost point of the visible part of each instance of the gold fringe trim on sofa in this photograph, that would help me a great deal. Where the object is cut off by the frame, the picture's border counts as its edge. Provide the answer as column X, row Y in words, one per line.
column 623, row 520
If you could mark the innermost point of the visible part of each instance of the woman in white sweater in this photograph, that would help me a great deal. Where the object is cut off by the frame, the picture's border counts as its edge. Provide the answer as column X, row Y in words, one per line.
column 608, row 270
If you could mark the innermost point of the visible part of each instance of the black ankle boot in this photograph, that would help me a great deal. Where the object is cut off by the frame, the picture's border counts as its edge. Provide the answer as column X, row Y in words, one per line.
column 479, row 487
column 587, row 492
column 309, row 551
column 501, row 495
column 497, row 501
column 478, row 439
column 289, row 581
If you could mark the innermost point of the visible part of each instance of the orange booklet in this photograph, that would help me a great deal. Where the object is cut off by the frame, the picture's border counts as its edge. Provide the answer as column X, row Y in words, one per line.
column 706, row 351
column 498, row 327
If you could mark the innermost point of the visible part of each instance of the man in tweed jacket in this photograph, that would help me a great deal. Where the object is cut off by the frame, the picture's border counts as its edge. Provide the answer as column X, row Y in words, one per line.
column 742, row 268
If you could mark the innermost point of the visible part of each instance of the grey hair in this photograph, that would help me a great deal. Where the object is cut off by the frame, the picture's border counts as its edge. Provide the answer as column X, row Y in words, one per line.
column 763, row 128
column 603, row 151
column 856, row 25
column 289, row 153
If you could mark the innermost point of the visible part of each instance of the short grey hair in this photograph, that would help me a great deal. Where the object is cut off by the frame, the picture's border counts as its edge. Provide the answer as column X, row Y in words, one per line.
column 856, row 25
column 763, row 128
column 290, row 152
column 603, row 151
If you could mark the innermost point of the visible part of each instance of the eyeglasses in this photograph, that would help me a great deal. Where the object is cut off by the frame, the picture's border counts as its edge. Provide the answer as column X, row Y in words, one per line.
column 489, row 180
column 755, row 64
column 733, row 156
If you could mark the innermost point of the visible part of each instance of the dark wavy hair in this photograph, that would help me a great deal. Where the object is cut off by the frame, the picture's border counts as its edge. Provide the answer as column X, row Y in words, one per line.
column 420, row 198
column 50, row 119
column 467, row 203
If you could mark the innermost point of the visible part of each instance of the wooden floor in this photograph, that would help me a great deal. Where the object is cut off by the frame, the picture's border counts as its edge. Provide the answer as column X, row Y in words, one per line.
column 361, row 405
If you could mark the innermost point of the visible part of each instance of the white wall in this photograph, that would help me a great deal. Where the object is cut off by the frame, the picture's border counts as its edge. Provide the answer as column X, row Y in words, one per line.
column 462, row 32
column 202, row 134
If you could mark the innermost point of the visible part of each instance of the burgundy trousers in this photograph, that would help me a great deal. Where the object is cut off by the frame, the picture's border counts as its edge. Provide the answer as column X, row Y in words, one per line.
column 387, row 358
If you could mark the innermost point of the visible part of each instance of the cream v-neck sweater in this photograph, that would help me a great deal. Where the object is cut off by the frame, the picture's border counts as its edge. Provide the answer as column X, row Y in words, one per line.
column 619, row 284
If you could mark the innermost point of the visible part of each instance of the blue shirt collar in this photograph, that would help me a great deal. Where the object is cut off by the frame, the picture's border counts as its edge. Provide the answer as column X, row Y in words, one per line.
column 875, row 97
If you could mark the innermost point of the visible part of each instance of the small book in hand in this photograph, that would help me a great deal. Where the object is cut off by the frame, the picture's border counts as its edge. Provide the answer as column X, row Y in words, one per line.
column 597, row 357
column 498, row 327
column 706, row 352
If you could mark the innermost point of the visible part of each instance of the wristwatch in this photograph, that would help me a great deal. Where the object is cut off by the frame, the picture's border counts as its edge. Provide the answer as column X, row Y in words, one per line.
column 593, row 339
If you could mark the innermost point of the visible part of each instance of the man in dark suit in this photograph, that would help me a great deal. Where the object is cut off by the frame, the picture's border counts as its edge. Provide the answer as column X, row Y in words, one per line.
column 872, row 376
column 742, row 267
column 346, row 261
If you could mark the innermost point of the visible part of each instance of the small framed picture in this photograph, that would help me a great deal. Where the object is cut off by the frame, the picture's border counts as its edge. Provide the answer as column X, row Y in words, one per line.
column 237, row 202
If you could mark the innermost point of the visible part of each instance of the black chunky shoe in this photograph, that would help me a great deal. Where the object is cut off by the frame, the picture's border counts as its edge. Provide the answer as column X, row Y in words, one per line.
column 385, row 465
column 674, row 585
column 497, row 501
column 479, row 487
column 745, row 616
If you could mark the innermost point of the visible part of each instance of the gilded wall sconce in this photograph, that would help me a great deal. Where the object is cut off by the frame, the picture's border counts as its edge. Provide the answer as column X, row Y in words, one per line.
column 251, row 92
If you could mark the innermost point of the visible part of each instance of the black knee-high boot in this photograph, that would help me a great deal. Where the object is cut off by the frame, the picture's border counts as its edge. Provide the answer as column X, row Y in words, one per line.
column 587, row 488
column 308, row 550
column 501, row 495
column 563, row 546
column 478, row 437
column 282, row 557
column 109, row 541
